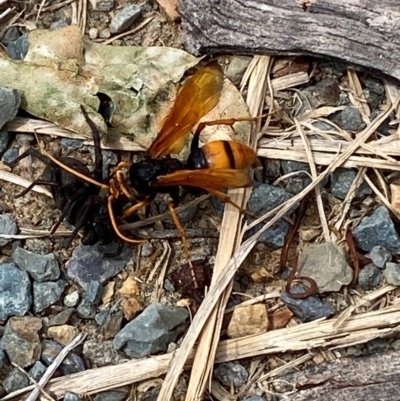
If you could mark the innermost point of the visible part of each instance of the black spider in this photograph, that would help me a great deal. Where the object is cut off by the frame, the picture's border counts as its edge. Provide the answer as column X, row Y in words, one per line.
column 80, row 202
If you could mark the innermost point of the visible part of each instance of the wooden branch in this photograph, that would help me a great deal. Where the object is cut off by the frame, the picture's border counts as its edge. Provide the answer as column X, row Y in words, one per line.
column 359, row 32
column 372, row 377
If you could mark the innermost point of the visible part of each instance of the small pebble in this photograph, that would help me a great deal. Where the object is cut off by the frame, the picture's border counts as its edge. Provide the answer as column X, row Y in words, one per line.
column 71, row 299
column 125, row 18
column 61, row 318
column 94, row 292
column 18, row 49
column 70, row 396
column 254, row 398
column 230, row 373
column 380, row 256
column 24, row 139
column 112, row 395
column 11, row 35
column 10, row 155
column 15, row 380
column 15, row 291
column 7, row 226
column 71, row 364
column 58, row 24
column 349, row 119
column 308, row 309
column 86, row 310
column 4, row 139
column 392, row 273
column 236, row 68
column 152, row 331
column 377, row 230
column 37, row 371
column 40, row 267
column 341, row 181
column 47, row 293
column 369, row 277
column 93, row 33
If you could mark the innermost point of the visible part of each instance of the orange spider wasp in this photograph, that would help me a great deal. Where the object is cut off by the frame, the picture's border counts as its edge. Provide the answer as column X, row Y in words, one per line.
column 212, row 167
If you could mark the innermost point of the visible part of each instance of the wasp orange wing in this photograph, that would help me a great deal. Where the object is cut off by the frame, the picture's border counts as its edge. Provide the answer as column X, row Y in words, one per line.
column 199, row 95
column 206, row 178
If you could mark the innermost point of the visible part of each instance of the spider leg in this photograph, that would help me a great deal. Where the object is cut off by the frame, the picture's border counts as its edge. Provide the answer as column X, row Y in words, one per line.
column 98, row 155
column 34, row 183
column 82, row 220
column 33, row 153
column 182, row 232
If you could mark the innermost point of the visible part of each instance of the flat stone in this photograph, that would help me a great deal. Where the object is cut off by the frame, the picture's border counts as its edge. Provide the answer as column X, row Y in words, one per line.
column 152, row 331
column 327, row 265
column 37, row 371
column 341, row 181
column 40, row 267
column 102, row 353
column 61, row 318
column 4, row 139
column 11, row 35
column 248, row 320
column 125, row 18
column 18, row 49
column 377, row 230
column 10, row 155
column 21, row 340
column 15, row 291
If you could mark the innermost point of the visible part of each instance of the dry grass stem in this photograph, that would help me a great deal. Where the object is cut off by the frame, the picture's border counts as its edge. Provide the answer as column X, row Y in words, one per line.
column 16, row 179
column 309, row 336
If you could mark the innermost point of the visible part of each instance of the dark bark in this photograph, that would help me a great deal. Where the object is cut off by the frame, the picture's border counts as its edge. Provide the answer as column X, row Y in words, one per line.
column 373, row 377
column 359, row 32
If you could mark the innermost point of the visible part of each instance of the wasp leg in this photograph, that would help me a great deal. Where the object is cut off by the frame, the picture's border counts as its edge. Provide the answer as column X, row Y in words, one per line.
column 182, row 232
column 110, row 200
column 226, row 199
column 120, row 177
column 133, row 209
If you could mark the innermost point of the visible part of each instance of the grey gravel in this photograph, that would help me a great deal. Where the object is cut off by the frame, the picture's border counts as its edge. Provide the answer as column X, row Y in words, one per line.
column 102, row 5
column 273, row 237
column 61, row 318
column 125, row 18
column 10, row 99
column 296, row 183
column 380, row 256
column 110, row 158
column 86, row 310
column 11, row 35
column 88, row 263
column 4, row 139
column 231, row 373
column 308, row 309
column 15, row 291
column 392, row 273
column 69, row 145
column 47, row 293
column 73, row 363
column 369, row 277
column 152, row 331
column 112, row 395
column 349, row 119
column 377, row 229
column 341, row 181
column 70, row 396
column 10, row 155
column 7, row 226
column 37, row 370
column 40, row 267
column 266, row 197
column 24, row 139
column 254, row 398
column 94, row 292
column 58, row 24
column 71, row 299
column 236, row 68
column 18, row 49
column 15, row 380
column 3, row 358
